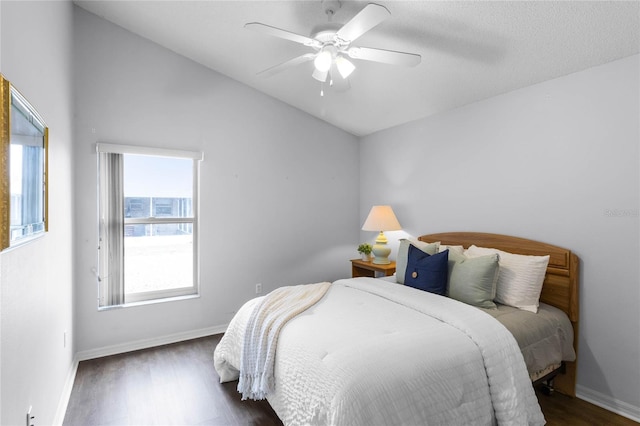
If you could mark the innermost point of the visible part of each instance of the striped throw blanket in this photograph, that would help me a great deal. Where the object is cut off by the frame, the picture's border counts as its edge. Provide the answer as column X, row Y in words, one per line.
column 258, row 354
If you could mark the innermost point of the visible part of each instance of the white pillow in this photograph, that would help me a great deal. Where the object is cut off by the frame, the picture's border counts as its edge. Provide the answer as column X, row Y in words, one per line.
column 403, row 254
column 452, row 249
column 520, row 277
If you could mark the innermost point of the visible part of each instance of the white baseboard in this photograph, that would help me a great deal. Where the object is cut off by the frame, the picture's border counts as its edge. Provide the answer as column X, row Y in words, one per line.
column 608, row 403
column 149, row 343
column 66, row 393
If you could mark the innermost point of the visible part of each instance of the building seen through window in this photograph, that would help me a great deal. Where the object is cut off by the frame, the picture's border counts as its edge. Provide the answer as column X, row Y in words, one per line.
column 144, row 207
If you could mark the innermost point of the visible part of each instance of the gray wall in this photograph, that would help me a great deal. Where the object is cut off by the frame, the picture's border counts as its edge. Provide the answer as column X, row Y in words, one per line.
column 556, row 162
column 279, row 188
column 36, row 302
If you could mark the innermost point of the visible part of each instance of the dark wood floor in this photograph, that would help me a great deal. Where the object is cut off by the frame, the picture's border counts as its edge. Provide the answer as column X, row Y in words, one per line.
column 168, row 385
column 177, row 385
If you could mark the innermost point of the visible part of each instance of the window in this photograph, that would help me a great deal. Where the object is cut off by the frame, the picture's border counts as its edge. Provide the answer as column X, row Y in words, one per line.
column 23, row 169
column 148, row 223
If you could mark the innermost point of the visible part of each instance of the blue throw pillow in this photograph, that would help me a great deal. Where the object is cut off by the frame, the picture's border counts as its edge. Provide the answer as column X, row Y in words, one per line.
column 427, row 272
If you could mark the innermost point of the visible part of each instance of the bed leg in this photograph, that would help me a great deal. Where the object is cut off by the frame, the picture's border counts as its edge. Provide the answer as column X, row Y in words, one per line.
column 547, row 387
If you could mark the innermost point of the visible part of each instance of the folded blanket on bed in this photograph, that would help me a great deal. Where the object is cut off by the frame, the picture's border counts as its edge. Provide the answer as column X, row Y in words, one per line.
column 261, row 335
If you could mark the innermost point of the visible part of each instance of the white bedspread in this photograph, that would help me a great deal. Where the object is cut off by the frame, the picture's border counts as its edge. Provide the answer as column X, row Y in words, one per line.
column 376, row 353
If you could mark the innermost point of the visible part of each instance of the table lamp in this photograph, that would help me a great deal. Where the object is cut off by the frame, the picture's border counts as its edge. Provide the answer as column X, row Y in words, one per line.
column 381, row 218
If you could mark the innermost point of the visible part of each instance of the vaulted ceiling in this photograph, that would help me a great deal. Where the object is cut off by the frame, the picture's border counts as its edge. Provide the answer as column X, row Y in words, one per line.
column 470, row 50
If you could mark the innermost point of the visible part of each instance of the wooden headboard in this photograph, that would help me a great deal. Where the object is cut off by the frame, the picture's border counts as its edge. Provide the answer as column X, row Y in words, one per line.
column 560, row 288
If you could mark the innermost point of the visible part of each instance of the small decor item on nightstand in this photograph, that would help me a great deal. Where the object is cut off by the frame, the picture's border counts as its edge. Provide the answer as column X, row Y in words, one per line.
column 365, row 250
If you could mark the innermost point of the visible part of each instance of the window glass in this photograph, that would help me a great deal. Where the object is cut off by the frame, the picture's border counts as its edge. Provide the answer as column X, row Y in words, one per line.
column 158, row 256
column 158, row 186
column 158, row 261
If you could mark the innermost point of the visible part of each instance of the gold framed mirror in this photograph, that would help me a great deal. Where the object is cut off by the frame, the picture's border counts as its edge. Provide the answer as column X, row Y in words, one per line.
column 24, row 140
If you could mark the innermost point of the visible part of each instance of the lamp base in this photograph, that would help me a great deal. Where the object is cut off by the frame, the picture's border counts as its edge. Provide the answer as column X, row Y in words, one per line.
column 381, row 253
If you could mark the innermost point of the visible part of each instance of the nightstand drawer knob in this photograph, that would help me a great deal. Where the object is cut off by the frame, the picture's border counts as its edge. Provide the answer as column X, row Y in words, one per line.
column 414, row 274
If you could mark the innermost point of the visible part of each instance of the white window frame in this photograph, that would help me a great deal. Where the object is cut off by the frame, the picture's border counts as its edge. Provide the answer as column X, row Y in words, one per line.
column 159, row 295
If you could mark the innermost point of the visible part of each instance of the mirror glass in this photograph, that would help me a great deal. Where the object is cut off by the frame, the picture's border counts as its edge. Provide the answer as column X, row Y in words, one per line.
column 25, row 163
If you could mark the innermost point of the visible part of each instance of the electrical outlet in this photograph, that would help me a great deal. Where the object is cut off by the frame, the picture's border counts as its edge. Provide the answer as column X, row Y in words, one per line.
column 259, row 288
column 31, row 419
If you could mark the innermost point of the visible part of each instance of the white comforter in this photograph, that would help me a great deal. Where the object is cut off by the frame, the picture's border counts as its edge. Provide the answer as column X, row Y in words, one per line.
column 378, row 353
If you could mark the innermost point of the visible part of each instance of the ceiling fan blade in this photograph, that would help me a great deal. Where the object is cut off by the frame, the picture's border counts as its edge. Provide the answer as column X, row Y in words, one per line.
column 321, row 76
column 366, row 19
column 287, row 35
column 290, row 63
column 385, row 56
column 336, row 81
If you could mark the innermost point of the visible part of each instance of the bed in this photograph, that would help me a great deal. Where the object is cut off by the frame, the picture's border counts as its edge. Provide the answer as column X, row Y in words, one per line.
column 559, row 290
column 375, row 352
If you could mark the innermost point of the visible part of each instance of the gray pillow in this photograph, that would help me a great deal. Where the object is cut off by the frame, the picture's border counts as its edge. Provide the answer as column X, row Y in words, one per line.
column 403, row 254
column 473, row 280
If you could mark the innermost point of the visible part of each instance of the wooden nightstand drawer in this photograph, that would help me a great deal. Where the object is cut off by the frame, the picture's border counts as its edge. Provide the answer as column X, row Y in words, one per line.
column 360, row 268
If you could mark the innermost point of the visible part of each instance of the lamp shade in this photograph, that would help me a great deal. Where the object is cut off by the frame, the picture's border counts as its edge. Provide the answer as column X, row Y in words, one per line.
column 381, row 218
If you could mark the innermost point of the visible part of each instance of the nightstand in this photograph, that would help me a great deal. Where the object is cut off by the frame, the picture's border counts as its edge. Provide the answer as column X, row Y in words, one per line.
column 360, row 268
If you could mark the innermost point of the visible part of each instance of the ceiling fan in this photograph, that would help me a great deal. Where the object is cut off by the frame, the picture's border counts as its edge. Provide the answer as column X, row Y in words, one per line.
column 332, row 44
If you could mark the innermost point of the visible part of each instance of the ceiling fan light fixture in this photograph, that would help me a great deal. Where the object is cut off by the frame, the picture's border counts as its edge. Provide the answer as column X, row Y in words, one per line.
column 325, row 58
column 345, row 66
column 323, row 61
column 321, row 76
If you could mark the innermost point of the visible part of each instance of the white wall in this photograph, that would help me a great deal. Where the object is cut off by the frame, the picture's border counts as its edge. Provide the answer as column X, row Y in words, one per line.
column 279, row 188
column 556, row 162
column 36, row 279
